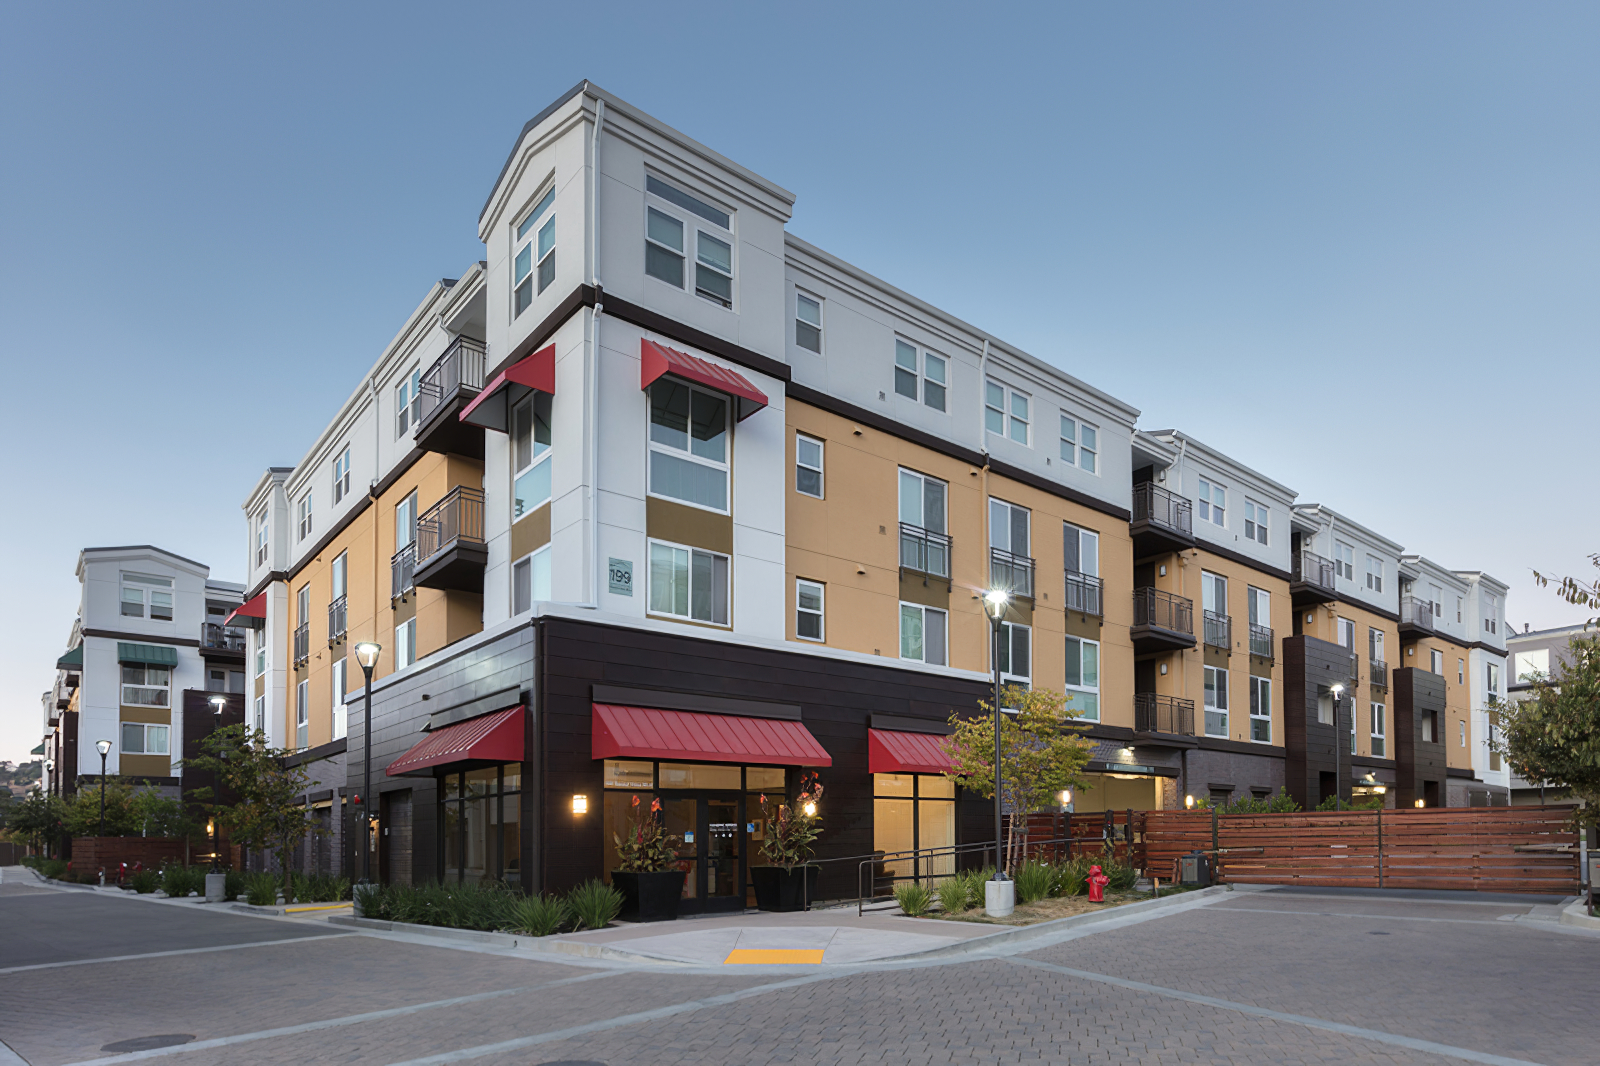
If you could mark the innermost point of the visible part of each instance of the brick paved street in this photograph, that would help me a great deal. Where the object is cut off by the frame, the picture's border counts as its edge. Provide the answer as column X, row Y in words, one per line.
column 1255, row 977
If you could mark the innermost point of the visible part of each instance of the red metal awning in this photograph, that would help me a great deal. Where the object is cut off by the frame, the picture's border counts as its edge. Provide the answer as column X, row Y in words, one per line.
column 893, row 752
column 251, row 614
column 646, row 733
column 656, row 360
column 493, row 738
column 491, row 408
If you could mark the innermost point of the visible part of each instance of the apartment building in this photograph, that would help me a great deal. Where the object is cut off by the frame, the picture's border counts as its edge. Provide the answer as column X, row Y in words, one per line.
column 1537, row 654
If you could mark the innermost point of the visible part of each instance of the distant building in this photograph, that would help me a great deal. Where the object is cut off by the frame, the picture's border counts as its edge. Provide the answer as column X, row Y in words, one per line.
column 1537, row 653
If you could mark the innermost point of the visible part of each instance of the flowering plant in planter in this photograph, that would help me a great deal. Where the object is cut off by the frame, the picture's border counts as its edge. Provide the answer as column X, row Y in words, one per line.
column 792, row 828
column 646, row 847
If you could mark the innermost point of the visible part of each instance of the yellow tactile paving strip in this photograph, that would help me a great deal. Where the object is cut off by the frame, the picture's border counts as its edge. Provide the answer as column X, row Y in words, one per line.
column 771, row 956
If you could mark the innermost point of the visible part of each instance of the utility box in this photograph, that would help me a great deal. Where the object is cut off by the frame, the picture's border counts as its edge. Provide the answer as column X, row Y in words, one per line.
column 1194, row 869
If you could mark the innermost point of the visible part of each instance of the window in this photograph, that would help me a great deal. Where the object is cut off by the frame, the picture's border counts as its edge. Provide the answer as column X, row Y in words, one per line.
column 530, row 580
column 1255, row 521
column 1080, row 444
column 139, row 738
column 1375, row 645
column 807, row 466
column 302, row 714
column 808, row 322
column 1429, row 734
column 405, row 401
column 1216, row 702
column 1010, row 556
column 669, row 233
column 1080, row 550
column 1461, row 671
column 1458, row 608
column 1259, row 604
column 923, row 544
column 1374, row 573
column 1344, row 560
column 303, row 517
column 405, row 521
column 1436, row 663
column 1347, row 635
column 482, row 825
column 1436, row 597
column 1530, row 663
column 1083, row 677
column 338, row 576
column 530, row 455
column 688, row 583
column 341, row 475
column 535, row 256
column 260, row 724
column 341, row 712
column 1491, row 613
column 146, row 686
column 263, row 527
column 1016, row 654
column 913, row 812
column 1005, row 411
column 689, row 445
column 1379, row 732
column 1493, row 680
column 261, row 655
column 302, row 605
column 1212, row 503
column 405, row 644
column 919, row 372
column 808, row 609
column 922, row 634
column 147, row 591
column 1463, row 732
column 1260, row 709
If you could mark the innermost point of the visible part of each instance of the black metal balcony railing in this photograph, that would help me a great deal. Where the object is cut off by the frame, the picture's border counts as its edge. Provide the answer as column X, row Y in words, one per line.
column 1378, row 673
column 1416, row 612
column 1013, row 573
column 338, row 614
column 1085, row 593
column 1261, row 641
column 1162, row 714
column 457, row 517
column 1153, row 607
column 460, row 367
column 1219, row 630
column 924, row 551
column 1152, row 503
column 1313, row 569
column 221, row 637
column 403, row 571
column 302, row 643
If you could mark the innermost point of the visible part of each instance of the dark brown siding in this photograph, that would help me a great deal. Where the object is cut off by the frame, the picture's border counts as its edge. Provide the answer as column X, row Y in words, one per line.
column 1418, row 762
column 1310, row 668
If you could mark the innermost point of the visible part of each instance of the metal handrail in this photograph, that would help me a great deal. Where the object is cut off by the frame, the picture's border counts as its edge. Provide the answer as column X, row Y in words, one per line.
column 1417, row 612
column 1218, row 630
column 1154, row 713
column 456, row 517
column 917, row 856
column 924, row 551
column 224, row 638
column 403, row 571
column 460, row 367
column 1313, row 569
column 1261, row 642
column 1153, row 607
column 1011, row 572
column 1085, row 593
column 1378, row 672
column 1152, row 503
column 302, row 643
column 338, row 614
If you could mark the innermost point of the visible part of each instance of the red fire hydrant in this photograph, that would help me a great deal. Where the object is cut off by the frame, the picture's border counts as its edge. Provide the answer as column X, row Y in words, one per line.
column 1097, row 885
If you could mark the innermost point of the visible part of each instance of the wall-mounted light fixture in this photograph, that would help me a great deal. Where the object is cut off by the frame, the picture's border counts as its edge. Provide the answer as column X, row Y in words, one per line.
column 1163, row 669
column 1421, row 803
column 580, row 804
column 1188, row 801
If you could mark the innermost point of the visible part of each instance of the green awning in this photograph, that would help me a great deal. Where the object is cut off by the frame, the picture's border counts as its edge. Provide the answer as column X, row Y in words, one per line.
column 149, row 654
column 73, row 660
column 39, row 750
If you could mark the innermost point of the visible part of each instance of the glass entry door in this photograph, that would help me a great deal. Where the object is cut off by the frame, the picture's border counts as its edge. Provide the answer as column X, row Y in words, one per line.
column 709, row 852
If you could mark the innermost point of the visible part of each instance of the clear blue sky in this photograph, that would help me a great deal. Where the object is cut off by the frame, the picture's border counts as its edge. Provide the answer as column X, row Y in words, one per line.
column 1353, row 245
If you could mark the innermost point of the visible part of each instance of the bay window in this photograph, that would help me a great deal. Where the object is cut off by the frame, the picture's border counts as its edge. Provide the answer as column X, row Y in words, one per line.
column 689, row 445
column 688, row 583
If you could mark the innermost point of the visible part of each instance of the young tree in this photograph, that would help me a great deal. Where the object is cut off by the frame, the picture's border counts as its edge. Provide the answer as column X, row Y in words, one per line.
column 1553, row 732
column 1041, row 754
column 38, row 819
column 267, row 809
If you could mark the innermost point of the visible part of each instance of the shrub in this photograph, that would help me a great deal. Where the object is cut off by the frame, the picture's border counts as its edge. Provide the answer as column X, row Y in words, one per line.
column 595, row 904
column 1072, row 875
column 913, row 898
column 1034, row 881
column 540, row 915
column 55, row 869
column 144, row 882
column 319, row 888
column 175, row 880
column 1121, row 874
column 233, row 887
column 261, row 889
column 953, row 895
column 975, row 889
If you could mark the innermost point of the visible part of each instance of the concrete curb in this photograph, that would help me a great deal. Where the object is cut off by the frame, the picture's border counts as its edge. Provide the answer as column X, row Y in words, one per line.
column 290, row 910
column 1576, row 914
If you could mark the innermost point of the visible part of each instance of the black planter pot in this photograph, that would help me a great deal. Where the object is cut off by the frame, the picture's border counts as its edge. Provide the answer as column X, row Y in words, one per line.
column 649, row 897
column 778, row 889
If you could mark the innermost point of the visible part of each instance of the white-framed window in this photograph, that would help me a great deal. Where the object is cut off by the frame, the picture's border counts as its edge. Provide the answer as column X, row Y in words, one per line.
column 1492, row 680
column 341, row 475
column 1531, row 664
column 1491, row 613
column 260, row 724
column 1256, row 518
column 530, row 455
column 1436, row 595
column 689, row 445
column 1260, row 710
column 1458, row 608
column 1008, row 528
column 337, row 690
column 405, row 521
column 1216, row 702
column 1436, row 661
column 1463, row 732
column 146, row 686
column 1347, row 634
column 302, row 714
column 146, row 596
column 140, row 738
column 1461, row 671
column 1083, row 677
column 1211, row 503
column 1259, row 605
column 1006, row 411
column 302, row 605
column 1080, row 550
column 530, row 580
column 1213, row 593
column 675, row 223
column 1374, row 573
column 261, row 655
column 924, row 633
column 405, row 644
column 688, row 583
column 807, row 465
column 339, row 576
column 1016, row 654
column 405, row 401
column 923, row 524
column 1379, row 732
column 534, row 259
column 263, row 530
column 920, row 374
column 303, row 517
column 1344, row 560
column 808, row 322
column 808, row 613
column 1080, row 444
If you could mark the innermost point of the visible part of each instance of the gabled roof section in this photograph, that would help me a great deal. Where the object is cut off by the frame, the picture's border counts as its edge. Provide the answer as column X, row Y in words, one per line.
column 126, row 549
column 1321, row 513
column 1224, row 463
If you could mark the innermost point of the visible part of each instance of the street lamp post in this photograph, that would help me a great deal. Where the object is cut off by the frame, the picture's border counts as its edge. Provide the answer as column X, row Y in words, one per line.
column 367, row 655
column 1338, row 693
column 217, row 705
column 104, row 748
column 1001, row 894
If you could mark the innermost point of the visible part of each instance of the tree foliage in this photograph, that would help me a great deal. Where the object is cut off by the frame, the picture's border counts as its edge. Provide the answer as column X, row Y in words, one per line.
column 1553, row 733
column 1575, row 591
column 130, row 812
column 38, row 819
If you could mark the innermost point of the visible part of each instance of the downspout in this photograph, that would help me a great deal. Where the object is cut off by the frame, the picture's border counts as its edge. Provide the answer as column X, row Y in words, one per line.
column 592, row 366
column 1183, row 564
column 983, row 450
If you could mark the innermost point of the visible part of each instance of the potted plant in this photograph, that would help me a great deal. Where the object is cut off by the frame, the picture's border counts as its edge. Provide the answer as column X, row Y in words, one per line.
column 647, row 875
column 789, row 883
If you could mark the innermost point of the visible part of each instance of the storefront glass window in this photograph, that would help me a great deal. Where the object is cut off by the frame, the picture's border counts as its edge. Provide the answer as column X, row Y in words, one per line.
column 481, row 822
column 914, row 812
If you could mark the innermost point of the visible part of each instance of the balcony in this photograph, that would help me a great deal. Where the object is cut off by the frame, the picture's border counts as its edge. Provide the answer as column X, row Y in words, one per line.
column 1311, row 579
column 451, row 552
column 221, row 642
column 1085, row 594
column 1014, row 573
column 1378, row 673
column 302, row 644
column 338, row 618
column 1416, row 618
column 1261, row 642
column 1161, row 621
column 402, row 572
column 1218, row 630
column 452, row 382
column 1162, row 521
column 924, row 551
column 1162, row 714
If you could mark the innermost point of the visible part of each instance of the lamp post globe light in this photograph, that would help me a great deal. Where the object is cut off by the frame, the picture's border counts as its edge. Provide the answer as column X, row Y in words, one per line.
column 999, row 894
column 367, row 655
column 104, row 748
column 216, row 880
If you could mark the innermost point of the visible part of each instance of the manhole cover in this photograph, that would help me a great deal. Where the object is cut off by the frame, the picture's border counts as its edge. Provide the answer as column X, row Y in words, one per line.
column 150, row 1043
